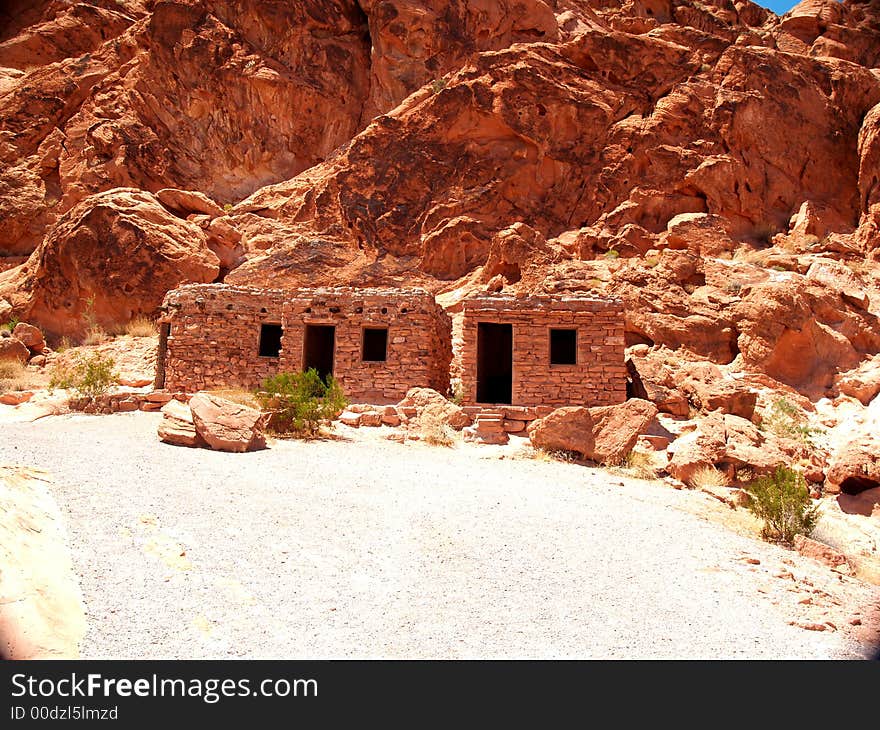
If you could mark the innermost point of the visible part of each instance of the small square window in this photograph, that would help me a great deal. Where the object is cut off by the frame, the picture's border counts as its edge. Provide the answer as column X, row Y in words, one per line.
column 563, row 347
column 270, row 340
column 375, row 344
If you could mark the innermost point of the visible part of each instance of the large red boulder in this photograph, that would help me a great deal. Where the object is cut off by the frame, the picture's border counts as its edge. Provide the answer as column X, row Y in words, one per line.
column 13, row 349
column 227, row 426
column 113, row 257
column 604, row 434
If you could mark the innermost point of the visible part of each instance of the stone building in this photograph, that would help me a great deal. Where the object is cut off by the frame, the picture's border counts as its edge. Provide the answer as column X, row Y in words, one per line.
column 543, row 350
column 377, row 343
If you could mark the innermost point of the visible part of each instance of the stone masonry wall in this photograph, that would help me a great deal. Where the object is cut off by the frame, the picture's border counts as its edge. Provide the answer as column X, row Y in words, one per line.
column 215, row 331
column 215, row 334
column 599, row 376
column 419, row 346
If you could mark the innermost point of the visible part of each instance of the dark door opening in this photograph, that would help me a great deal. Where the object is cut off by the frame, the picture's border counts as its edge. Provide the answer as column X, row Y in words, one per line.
column 494, row 362
column 319, row 346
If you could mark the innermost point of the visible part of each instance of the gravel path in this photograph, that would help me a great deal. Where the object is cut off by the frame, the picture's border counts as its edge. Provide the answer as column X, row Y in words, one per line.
column 375, row 549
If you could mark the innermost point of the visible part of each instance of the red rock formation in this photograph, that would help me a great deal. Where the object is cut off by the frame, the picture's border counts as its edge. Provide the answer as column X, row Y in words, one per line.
column 670, row 152
column 110, row 258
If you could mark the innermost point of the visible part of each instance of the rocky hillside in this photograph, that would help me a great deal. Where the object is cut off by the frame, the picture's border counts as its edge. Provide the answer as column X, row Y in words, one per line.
column 716, row 166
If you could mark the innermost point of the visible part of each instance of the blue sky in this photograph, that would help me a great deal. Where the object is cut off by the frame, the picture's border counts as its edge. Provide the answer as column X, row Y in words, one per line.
column 778, row 6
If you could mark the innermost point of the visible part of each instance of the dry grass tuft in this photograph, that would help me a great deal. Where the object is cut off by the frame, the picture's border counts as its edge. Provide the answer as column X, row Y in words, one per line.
column 95, row 335
column 438, row 434
column 708, row 476
column 546, row 455
column 141, row 327
column 236, row 395
column 640, row 465
column 14, row 376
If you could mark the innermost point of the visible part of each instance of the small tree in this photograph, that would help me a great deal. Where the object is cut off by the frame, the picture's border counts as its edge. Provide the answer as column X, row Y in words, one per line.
column 783, row 501
column 90, row 376
column 300, row 402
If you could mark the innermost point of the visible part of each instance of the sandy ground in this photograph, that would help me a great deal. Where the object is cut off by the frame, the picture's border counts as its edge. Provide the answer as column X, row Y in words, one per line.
column 364, row 548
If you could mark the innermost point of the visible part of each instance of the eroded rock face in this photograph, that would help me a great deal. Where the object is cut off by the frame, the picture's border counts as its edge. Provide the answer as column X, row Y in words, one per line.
column 855, row 466
column 678, row 155
column 109, row 259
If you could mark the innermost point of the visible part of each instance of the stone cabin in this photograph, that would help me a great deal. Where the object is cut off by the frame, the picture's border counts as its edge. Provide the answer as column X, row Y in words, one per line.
column 543, row 351
column 378, row 343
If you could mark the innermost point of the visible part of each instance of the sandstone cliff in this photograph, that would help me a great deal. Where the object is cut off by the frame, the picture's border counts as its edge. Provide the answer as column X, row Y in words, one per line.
column 713, row 164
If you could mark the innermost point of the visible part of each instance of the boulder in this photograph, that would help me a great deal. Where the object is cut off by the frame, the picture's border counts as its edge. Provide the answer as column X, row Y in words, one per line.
column 110, row 258
column 816, row 550
column 431, row 405
column 16, row 397
column 726, row 442
column 654, row 381
column 227, row 426
column 30, row 336
column 605, row 434
column 617, row 428
column 697, row 449
column 708, row 389
column 700, row 233
column 349, row 418
column 177, row 425
column 565, row 429
column 863, row 383
column 855, row 466
column 13, row 349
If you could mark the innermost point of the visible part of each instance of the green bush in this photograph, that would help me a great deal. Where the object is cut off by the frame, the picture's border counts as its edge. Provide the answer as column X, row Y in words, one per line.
column 300, row 402
column 785, row 419
column 89, row 375
column 783, row 501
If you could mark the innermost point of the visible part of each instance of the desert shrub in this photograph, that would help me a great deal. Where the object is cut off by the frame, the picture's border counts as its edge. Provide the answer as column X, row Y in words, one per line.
column 89, row 375
column 733, row 287
column 10, row 325
column 612, row 253
column 434, row 430
column 457, row 393
column 301, row 402
column 785, row 419
column 12, row 375
column 63, row 345
column 95, row 335
column 708, row 476
column 540, row 454
column 437, row 85
column 783, row 501
column 639, row 464
column 141, row 327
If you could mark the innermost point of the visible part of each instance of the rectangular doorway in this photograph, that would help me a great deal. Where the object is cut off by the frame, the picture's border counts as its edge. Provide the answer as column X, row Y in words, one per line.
column 494, row 362
column 320, row 343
